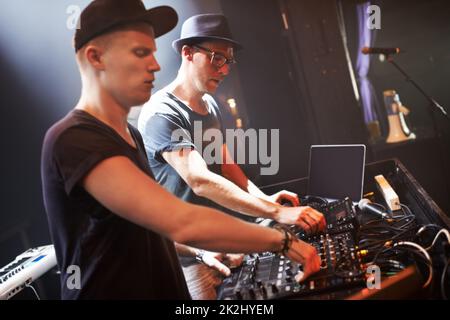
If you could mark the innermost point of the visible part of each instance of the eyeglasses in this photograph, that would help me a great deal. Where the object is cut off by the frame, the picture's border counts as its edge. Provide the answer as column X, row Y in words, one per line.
column 217, row 59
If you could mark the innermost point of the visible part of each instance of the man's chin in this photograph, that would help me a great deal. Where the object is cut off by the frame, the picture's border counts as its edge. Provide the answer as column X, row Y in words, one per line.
column 142, row 100
column 211, row 90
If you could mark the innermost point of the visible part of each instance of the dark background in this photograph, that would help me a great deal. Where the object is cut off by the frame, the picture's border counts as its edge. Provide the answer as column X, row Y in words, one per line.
column 296, row 80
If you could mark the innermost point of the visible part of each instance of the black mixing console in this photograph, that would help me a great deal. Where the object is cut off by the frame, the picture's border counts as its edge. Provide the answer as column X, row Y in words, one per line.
column 340, row 216
column 269, row 276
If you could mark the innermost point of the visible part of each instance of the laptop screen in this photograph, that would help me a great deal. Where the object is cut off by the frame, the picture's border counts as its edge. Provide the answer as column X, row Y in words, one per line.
column 337, row 171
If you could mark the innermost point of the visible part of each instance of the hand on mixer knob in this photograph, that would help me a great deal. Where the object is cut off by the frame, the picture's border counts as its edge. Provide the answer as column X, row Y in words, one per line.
column 300, row 252
column 305, row 254
column 307, row 218
column 285, row 197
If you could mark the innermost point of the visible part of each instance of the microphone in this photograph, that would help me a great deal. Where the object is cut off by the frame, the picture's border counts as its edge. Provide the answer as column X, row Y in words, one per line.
column 385, row 51
column 368, row 206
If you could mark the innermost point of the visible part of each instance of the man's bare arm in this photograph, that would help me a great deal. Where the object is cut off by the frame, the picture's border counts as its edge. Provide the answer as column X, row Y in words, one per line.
column 128, row 192
column 193, row 169
column 124, row 189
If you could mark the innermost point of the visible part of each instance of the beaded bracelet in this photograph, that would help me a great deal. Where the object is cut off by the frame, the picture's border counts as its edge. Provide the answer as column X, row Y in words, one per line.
column 288, row 238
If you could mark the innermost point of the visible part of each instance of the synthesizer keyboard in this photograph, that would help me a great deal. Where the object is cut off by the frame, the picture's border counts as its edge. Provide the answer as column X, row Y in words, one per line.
column 26, row 268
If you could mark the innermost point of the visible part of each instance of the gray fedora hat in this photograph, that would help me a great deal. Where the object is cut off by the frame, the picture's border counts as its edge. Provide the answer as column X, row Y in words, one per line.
column 204, row 27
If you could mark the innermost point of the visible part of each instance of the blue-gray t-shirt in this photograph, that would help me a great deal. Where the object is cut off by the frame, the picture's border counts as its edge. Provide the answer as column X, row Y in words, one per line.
column 167, row 124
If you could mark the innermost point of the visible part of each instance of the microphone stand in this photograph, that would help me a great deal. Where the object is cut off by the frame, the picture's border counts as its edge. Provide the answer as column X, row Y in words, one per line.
column 433, row 104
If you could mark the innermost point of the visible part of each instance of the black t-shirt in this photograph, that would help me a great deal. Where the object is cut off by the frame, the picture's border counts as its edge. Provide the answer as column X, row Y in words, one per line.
column 116, row 258
column 165, row 115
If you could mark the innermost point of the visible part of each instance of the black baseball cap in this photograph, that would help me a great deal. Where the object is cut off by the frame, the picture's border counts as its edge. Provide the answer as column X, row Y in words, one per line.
column 100, row 16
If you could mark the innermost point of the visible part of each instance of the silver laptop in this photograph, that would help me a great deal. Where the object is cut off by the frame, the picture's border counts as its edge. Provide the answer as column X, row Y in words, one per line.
column 337, row 171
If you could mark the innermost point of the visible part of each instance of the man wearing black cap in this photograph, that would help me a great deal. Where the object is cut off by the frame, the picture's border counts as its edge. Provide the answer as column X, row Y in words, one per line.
column 168, row 124
column 107, row 216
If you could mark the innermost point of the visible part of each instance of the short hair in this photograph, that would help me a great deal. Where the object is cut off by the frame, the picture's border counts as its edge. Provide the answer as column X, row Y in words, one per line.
column 105, row 39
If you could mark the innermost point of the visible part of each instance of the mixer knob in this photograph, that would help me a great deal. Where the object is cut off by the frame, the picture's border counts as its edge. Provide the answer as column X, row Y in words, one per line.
column 238, row 294
column 259, row 283
column 264, row 292
column 274, row 288
column 289, row 271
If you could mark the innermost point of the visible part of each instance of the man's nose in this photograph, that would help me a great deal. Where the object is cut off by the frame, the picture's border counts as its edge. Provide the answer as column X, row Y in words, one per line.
column 154, row 65
column 225, row 69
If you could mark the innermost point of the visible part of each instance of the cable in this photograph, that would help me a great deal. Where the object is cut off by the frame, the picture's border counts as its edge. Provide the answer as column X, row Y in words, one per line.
column 389, row 221
column 387, row 240
column 34, row 290
column 403, row 206
column 423, row 228
column 425, row 253
column 376, row 234
column 415, row 246
column 444, row 274
column 442, row 231
column 380, row 206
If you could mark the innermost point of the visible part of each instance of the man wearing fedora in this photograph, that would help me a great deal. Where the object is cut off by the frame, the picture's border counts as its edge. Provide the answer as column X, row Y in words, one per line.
column 107, row 216
column 207, row 50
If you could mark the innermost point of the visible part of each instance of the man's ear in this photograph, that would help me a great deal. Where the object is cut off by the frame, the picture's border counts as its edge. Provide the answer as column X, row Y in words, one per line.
column 187, row 52
column 94, row 55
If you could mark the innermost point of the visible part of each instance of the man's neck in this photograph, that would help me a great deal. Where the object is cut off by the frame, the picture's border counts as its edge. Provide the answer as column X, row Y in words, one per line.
column 104, row 108
column 183, row 89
